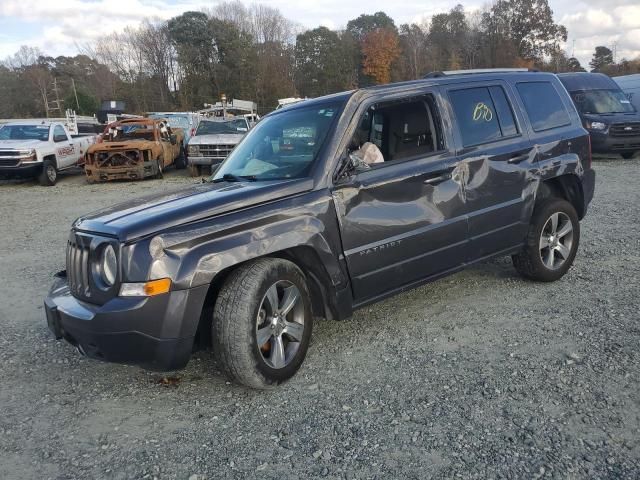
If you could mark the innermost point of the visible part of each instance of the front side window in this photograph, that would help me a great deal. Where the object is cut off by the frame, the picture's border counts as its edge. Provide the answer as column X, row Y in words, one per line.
column 602, row 101
column 284, row 145
column 543, row 105
column 397, row 130
column 58, row 134
column 476, row 115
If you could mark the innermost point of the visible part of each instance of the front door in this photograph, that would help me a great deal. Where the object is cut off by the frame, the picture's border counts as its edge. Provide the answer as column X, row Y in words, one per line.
column 402, row 220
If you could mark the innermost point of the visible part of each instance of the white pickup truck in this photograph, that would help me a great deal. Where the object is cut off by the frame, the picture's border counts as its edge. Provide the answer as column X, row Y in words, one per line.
column 40, row 149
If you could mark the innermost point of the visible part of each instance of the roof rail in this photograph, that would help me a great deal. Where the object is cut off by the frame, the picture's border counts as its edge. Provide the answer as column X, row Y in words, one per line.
column 477, row 71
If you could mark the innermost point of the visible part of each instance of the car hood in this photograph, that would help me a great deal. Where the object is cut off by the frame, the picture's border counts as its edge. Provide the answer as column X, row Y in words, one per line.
column 611, row 118
column 21, row 144
column 217, row 139
column 148, row 215
column 132, row 144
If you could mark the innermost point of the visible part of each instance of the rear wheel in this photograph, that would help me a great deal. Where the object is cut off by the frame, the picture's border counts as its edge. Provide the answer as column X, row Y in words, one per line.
column 49, row 174
column 552, row 242
column 627, row 155
column 262, row 323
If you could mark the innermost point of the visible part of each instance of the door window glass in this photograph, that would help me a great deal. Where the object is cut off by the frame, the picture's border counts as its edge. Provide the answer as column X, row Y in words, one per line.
column 476, row 116
column 505, row 113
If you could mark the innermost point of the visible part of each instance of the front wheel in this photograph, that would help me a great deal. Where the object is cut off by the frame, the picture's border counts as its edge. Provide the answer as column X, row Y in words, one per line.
column 49, row 174
column 181, row 161
column 627, row 155
column 159, row 171
column 262, row 323
column 552, row 242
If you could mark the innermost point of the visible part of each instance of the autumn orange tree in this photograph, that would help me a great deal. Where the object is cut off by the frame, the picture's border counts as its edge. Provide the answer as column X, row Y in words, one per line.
column 380, row 48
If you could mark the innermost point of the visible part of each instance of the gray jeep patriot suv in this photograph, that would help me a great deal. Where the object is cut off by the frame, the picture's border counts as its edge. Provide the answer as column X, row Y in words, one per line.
column 298, row 223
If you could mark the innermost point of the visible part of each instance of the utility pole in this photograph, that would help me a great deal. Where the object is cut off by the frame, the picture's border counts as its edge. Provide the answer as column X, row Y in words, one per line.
column 75, row 92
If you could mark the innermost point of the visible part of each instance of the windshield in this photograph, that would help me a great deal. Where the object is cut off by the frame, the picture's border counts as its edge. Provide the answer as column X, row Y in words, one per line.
column 602, row 101
column 130, row 132
column 25, row 132
column 281, row 146
column 175, row 121
column 207, row 127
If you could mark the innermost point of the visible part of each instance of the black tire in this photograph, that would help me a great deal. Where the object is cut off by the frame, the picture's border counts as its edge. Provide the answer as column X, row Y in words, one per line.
column 237, row 317
column 181, row 161
column 627, row 155
column 195, row 170
column 49, row 174
column 529, row 261
column 159, row 172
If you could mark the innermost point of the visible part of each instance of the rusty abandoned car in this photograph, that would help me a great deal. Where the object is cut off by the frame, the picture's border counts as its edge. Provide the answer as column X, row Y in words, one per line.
column 134, row 149
column 326, row 206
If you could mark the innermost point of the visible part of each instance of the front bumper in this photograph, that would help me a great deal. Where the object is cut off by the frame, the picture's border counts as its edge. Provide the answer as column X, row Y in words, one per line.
column 156, row 333
column 205, row 161
column 22, row 170
column 603, row 143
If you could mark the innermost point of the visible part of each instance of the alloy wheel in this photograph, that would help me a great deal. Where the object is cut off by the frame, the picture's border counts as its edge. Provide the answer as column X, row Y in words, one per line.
column 280, row 324
column 556, row 240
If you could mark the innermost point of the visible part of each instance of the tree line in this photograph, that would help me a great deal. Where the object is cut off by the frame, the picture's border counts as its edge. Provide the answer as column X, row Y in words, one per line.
column 256, row 53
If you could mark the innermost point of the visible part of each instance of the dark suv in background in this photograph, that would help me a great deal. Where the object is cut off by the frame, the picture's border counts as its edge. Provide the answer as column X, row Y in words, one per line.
column 606, row 112
column 295, row 225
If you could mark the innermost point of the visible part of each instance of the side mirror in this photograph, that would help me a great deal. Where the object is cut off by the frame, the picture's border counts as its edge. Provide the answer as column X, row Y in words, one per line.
column 173, row 139
column 347, row 168
column 59, row 138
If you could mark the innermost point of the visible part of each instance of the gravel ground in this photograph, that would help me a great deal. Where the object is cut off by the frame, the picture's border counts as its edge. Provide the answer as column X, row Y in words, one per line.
column 479, row 375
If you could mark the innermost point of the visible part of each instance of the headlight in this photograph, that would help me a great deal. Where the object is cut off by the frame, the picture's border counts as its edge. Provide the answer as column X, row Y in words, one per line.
column 28, row 155
column 194, row 150
column 596, row 126
column 109, row 266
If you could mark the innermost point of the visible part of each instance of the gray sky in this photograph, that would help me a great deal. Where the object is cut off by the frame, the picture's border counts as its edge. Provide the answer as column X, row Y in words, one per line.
column 56, row 26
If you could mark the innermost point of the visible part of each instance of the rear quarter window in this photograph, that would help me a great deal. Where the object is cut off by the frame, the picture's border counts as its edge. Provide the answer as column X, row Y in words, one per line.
column 543, row 105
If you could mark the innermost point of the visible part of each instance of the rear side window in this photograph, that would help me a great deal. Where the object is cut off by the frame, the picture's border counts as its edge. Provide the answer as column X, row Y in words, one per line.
column 543, row 105
column 483, row 115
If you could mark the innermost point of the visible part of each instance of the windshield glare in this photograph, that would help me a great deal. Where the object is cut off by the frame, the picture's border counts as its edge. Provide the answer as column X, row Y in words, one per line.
column 602, row 101
column 24, row 132
column 281, row 146
column 208, row 127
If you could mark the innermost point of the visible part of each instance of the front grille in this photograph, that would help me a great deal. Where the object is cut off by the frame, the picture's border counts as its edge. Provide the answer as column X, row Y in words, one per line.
column 78, row 268
column 216, row 151
column 629, row 129
column 7, row 162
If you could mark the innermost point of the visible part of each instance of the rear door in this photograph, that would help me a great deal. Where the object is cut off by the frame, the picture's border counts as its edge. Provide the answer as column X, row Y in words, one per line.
column 494, row 157
column 402, row 220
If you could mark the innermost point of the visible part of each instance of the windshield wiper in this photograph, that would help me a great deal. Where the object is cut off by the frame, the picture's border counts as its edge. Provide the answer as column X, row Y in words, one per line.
column 230, row 177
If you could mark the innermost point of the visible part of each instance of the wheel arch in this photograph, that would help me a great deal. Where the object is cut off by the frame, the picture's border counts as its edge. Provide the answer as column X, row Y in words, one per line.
column 321, row 289
column 51, row 157
column 566, row 186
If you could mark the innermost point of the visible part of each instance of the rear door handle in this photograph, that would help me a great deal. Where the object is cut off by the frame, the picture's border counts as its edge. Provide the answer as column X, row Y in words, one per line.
column 443, row 177
column 517, row 158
